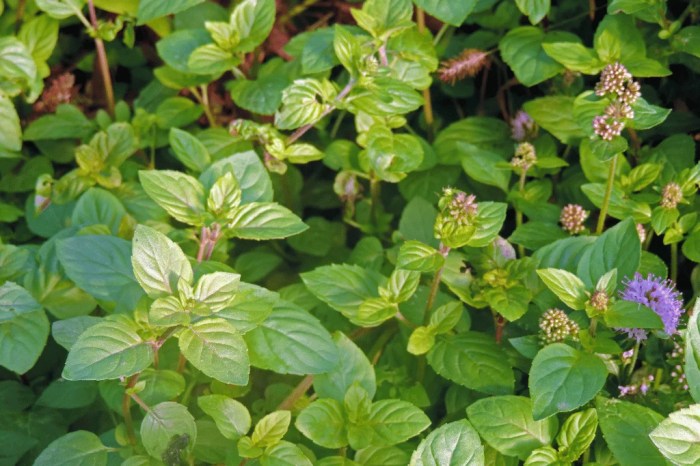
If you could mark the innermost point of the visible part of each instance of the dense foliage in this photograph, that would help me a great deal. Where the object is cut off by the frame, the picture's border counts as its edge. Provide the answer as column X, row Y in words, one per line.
column 334, row 232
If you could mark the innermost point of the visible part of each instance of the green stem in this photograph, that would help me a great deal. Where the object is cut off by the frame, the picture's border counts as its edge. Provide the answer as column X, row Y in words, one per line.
column 298, row 392
column 635, row 354
column 608, row 194
column 336, row 124
column 126, row 410
column 674, row 262
column 102, row 60
column 378, row 347
column 427, row 99
column 592, row 327
column 434, row 286
column 375, row 190
column 518, row 212
column 203, row 99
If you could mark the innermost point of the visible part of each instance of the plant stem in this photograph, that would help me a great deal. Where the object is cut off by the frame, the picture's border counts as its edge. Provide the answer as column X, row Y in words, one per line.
column 518, row 212
column 203, row 237
column 102, row 60
column 375, row 192
column 203, row 98
column 434, row 286
column 592, row 327
column 633, row 363
column 608, row 193
column 500, row 323
column 378, row 347
column 126, row 410
column 674, row 262
column 298, row 392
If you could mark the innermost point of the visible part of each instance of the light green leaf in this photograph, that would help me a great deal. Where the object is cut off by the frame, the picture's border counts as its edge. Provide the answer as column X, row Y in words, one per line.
column 506, row 423
column 217, row 289
column 292, row 341
column 271, row 428
column 284, row 454
column 415, row 255
column 323, row 422
column 182, row 196
column 577, row 434
column 60, row 9
column 618, row 248
column 301, row 105
column 10, row 129
column 216, row 348
column 395, row 421
column 632, row 315
column 353, row 367
column 555, row 114
column 678, row 436
column 253, row 21
column 421, row 341
column 165, row 423
column 453, row 444
column 474, row 360
column 574, row 56
column 401, row 286
column 263, row 221
column 231, row 416
column 567, row 286
column 24, row 328
column 158, row 262
column 189, row 150
column 563, row 378
column 79, row 448
column 107, row 350
column 535, row 10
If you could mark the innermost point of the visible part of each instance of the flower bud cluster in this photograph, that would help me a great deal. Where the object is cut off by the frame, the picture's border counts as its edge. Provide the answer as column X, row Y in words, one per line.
column 572, row 218
column 678, row 378
column 671, row 195
column 615, row 82
column 599, row 300
column 525, row 156
column 640, row 388
column 466, row 65
column 461, row 207
column 522, row 126
column 556, row 326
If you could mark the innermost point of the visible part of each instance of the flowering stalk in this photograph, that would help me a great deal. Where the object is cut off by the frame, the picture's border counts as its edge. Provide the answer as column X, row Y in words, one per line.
column 608, row 194
column 102, row 60
column 525, row 157
column 427, row 101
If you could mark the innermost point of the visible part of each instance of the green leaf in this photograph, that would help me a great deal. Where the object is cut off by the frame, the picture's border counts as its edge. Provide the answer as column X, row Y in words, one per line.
column 107, row 350
column 626, row 427
column 253, row 20
column 152, row 9
column 158, row 262
column 632, row 315
column 463, row 140
column 556, row 115
column 60, row 9
column 574, row 56
column 445, row 318
column 323, row 422
column 231, row 416
column 618, row 39
column 284, row 454
column 343, row 287
column 577, row 434
column 567, row 286
column 301, row 105
column 545, row 456
column 79, row 448
column 248, row 170
column 618, row 248
column 217, row 290
column 165, row 424
column 292, row 341
column 211, row 59
column 692, row 353
column 353, row 367
column 98, row 207
column 453, row 13
column 271, row 428
column 678, row 436
column 262, row 96
column 563, row 378
column 535, row 10
column 401, row 286
column 182, row 196
column 421, row 341
column 10, row 129
column 66, row 394
column 647, row 116
column 456, row 443
column 176, row 48
column 216, row 348
column 66, row 332
column 474, row 360
column 263, row 221
column 489, row 221
column 506, row 423
column 384, row 17
column 522, row 50
column 24, row 328
column 189, row 150
column 161, row 385
column 391, row 155
column 395, row 421
column 177, row 111
column 415, row 255
column 101, row 265
column 67, row 123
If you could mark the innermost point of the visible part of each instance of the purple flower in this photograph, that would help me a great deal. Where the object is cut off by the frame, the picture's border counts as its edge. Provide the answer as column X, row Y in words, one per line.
column 658, row 294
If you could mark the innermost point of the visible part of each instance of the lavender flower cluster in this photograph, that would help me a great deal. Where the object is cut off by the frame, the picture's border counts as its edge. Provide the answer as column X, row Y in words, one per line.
column 616, row 83
column 658, row 294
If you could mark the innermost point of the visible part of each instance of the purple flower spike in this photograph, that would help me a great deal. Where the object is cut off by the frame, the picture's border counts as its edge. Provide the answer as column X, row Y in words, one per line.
column 658, row 294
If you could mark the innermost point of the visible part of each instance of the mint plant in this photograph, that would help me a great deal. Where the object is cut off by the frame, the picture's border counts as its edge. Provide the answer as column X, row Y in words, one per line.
column 379, row 232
